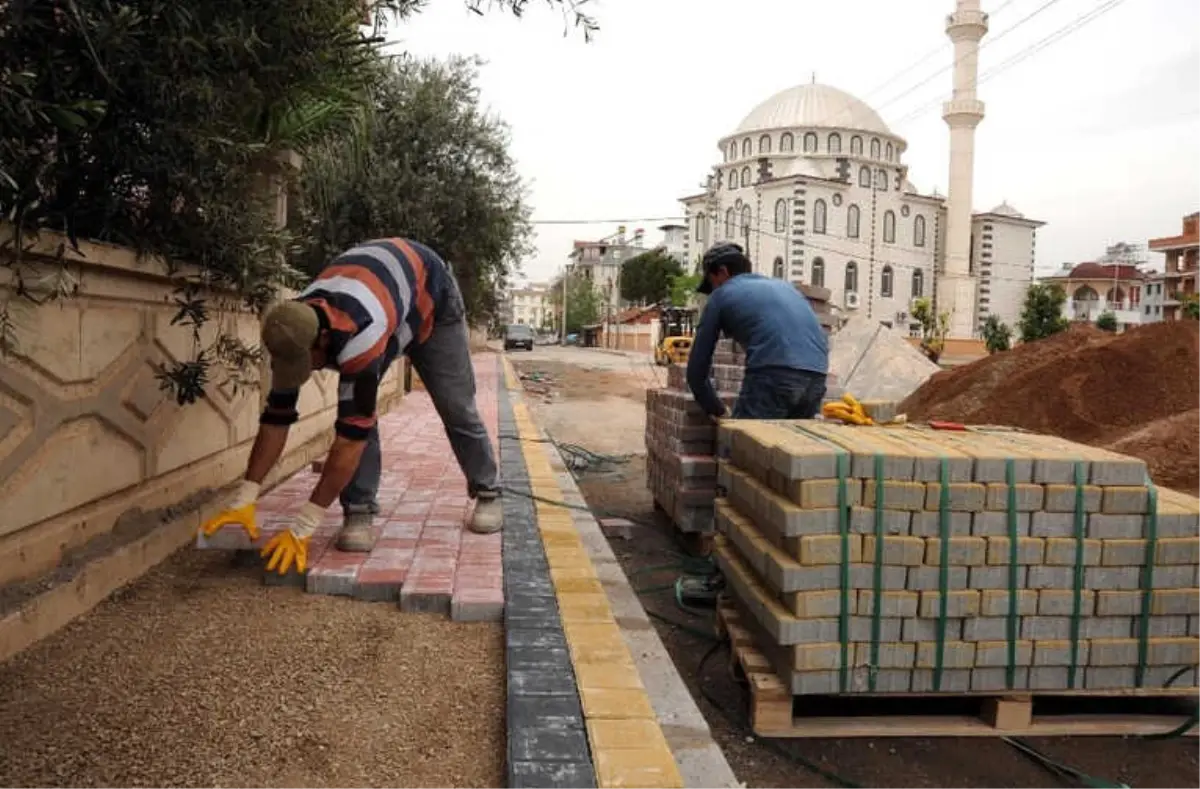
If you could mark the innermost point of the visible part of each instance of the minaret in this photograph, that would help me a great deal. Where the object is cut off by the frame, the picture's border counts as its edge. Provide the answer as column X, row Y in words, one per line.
column 956, row 287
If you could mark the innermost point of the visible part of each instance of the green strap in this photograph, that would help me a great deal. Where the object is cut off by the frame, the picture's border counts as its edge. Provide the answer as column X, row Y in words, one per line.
column 877, row 588
column 1010, row 476
column 844, row 528
column 1147, row 579
column 943, row 568
column 1077, row 602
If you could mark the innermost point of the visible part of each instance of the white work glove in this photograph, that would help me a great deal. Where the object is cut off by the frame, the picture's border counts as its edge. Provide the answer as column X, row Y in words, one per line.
column 289, row 547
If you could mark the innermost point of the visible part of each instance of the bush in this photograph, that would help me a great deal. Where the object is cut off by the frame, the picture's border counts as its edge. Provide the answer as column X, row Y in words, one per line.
column 1107, row 321
column 1041, row 315
column 997, row 335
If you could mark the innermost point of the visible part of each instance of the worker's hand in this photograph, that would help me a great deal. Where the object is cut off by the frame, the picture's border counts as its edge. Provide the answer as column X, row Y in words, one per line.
column 240, row 511
column 716, row 418
column 289, row 548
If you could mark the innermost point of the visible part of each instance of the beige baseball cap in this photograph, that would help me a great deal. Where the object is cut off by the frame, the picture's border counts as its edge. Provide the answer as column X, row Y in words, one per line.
column 289, row 332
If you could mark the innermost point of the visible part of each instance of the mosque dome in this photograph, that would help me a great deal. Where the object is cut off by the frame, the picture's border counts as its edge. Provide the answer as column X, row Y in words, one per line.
column 813, row 106
column 1004, row 209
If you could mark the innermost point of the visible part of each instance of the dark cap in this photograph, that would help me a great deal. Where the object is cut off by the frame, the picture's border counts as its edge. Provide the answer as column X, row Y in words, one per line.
column 723, row 254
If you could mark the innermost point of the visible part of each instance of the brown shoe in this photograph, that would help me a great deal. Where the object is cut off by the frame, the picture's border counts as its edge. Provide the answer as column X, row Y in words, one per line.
column 488, row 516
column 355, row 536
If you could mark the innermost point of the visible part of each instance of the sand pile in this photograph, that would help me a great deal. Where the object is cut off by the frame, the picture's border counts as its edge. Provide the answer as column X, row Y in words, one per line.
column 1135, row 393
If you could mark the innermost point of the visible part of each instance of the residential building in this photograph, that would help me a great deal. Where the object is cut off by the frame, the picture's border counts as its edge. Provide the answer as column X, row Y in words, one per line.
column 600, row 261
column 813, row 184
column 674, row 242
column 529, row 304
column 1180, row 274
column 1095, row 288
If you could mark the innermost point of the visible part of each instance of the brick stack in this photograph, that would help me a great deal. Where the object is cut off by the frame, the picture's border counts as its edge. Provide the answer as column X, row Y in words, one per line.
column 858, row 574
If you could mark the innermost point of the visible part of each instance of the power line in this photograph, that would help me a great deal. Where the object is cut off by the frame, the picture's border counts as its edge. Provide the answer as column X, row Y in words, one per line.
column 627, row 221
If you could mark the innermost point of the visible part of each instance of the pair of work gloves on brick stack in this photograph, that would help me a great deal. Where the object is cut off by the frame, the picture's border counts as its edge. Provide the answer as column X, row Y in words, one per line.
column 288, row 548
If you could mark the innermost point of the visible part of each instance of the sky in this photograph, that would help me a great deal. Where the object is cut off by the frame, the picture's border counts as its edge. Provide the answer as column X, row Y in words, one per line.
column 1096, row 133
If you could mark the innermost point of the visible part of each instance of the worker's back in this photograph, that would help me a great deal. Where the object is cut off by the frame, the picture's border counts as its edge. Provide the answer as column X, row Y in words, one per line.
column 773, row 322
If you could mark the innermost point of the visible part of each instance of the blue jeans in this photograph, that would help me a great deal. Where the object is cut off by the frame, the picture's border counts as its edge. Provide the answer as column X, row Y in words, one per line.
column 780, row 393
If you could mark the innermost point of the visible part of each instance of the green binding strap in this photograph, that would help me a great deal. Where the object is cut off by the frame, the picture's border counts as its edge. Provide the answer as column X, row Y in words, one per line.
column 1010, row 476
column 1147, row 579
column 843, row 470
column 877, row 581
column 943, row 568
column 1077, row 602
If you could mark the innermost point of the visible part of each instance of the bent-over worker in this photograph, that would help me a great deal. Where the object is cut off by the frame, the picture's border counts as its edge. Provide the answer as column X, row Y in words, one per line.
column 371, row 304
column 787, row 354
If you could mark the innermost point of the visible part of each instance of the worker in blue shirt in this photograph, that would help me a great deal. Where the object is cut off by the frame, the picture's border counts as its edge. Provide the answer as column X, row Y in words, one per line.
column 787, row 355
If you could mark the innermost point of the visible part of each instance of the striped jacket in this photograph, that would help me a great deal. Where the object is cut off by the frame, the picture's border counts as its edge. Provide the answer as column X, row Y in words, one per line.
column 376, row 301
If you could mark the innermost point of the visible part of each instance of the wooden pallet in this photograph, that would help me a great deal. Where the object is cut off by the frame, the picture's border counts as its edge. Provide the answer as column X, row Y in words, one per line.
column 775, row 712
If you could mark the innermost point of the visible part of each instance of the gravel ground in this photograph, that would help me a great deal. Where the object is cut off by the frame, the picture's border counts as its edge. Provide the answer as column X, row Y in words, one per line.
column 198, row 675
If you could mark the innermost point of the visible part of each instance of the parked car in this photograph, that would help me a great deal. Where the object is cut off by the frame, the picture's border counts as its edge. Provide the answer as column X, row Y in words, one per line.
column 518, row 335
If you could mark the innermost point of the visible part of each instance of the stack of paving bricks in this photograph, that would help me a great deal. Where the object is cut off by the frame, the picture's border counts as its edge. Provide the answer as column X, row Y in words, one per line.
column 905, row 559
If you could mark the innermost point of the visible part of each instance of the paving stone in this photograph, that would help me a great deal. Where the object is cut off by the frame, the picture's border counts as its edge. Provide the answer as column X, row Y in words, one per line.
column 1180, row 577
column 1058, row 653
column 1030, row 550
column 1061, row 498
column 1054, row 524
column 892, row 604
column 551, row 775
column 929, row 524
column 928, row 578
column 1061, row 602
column 954, row 680
column 996, row 577
column 1115, row 577
column 995, row 653
column 540, row 744
column 997, row 679
column 994, row 602
column 959, row 603
column 995, row 524
column 1116, row 527
column 919, row 630
column 961, row 551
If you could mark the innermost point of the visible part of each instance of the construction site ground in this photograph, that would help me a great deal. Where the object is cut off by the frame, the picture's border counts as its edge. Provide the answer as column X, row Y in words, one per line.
column 596, row 399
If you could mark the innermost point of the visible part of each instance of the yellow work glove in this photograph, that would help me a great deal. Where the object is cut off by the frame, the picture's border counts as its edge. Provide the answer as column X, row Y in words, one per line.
column 240, row 511
column 289, row 548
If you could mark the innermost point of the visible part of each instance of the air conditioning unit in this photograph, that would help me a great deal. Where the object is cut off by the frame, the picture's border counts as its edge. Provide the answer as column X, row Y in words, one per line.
column 851, row 300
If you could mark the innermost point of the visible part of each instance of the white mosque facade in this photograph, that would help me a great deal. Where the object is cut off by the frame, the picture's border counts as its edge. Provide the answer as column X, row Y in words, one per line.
column 814, row 185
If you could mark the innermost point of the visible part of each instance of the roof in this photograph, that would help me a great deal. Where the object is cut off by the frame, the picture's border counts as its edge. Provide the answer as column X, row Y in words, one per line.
column 1108, row 271
column 813, row 106
column 1189, row 238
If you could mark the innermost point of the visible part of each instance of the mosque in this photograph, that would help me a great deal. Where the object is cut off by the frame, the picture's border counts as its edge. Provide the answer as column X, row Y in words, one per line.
column 813, row 184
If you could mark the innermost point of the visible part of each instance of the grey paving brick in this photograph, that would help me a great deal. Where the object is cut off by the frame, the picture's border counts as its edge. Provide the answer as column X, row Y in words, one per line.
column 541, row 682
column 1168, row 626
column 995, row 653
column 920, row 630
column 1061, row 498
column 1029, row 498
column 1053, row 677
column 551, row 775
column 995, row 577
column 892, row 604
column 1113, row 578
column 997, row 678
column 1107, row 627
column 1062, row 551
column 1115, row 527
column 1100, row 677
column 995, row 524
column 551, row 638
column 541, row 658
column 536, row 744
column 994, row 602
column 928, row 524
column 1045, row 627
column 1058, row 653
column 1174, row 577
column 1061, row 602
column 986, row 628
column 550, row 712
column 1052, row 524
column 1051, row 578
column 954, row 680
column 340, row 581
column 927, row 578
column 815, row 682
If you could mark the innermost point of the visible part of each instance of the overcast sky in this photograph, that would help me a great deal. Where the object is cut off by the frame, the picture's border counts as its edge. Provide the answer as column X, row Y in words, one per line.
column 1097, row 134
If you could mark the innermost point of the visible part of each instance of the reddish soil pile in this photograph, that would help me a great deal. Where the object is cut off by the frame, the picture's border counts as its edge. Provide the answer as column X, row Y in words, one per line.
column 1136, row 393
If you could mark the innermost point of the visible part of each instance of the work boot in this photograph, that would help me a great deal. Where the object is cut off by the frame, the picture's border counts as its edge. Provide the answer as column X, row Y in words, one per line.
column 488, row 516
column 355, row 536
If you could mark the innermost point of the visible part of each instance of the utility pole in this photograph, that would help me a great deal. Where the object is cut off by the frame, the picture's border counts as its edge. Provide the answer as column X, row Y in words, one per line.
column 566, row 273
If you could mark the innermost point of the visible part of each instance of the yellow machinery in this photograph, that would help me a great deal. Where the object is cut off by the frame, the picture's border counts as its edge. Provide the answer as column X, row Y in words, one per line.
column 677, row 324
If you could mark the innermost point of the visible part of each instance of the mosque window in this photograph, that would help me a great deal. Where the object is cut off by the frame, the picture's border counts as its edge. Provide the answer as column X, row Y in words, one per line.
column 732, row 151
column 851, row 277
column 777, row 268
column 852, row 220
column 810, row 142
column 764, row 144
column 700, row 230
column 835, row 143
column 864, row 176
column 890, row 151
column 745, row 176
column 889, row 227
column 747, row 148
column 746, row 221
column 818, row 272
column 729, row 223
column 881, row 180
column 781, row 215
column 874, row 147
column 918, row 283
column 819, row 214
column 733, row 179
column 919, row 231
column 885, row 282
column 787, row 143
column 856, row 146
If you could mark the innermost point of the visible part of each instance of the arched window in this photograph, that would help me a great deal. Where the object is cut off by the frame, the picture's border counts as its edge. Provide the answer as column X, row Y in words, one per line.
column 781, row 215
column 747, row 148
column 701, row 230
column 745, row 176
column 852, row 220
column 819, row 214
column 889, row 227
column 729, row 223
column 890, row 151
column 764, row 144
column 787, row 143
column 810, row 142
column 918, row 283
column 835, row 142
column 874, row 147
column 851, row 284
column 919, row 231
column 777, row 269
column 1115, row 296
column 733, row 180
column 732, row 151
column 881, row 180
column 856, row 146
column 864, row 176
column 818, row 272
column 885, row 282
column 746, row 220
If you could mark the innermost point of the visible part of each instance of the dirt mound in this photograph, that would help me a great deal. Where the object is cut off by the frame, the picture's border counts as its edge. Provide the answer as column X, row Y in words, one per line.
column 1090, row 386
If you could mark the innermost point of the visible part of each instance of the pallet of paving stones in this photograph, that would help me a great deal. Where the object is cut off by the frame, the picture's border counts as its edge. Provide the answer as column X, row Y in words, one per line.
column 775, row 712
column 883, row 560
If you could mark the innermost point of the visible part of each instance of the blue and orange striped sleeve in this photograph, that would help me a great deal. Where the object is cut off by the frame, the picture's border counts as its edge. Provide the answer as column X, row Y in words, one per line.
column 357, row 396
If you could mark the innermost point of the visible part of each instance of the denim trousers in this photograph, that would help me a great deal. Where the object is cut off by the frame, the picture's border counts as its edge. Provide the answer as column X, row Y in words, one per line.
column 779, row 393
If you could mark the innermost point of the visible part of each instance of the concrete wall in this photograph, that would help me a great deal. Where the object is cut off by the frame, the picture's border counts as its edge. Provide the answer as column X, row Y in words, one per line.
column 639, row 337
column 87, row 434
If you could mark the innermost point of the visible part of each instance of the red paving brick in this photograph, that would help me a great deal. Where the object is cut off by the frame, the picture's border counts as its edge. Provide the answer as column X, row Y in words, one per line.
column 424, row 558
